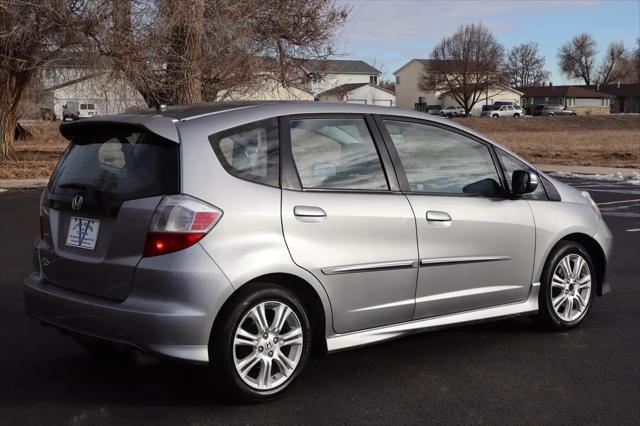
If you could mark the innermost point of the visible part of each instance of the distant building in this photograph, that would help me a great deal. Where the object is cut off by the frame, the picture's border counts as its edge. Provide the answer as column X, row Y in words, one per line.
column 66, row 82
column 581, row 99
column 323, row 75
column 410, row 75
column 359, row 93
column 268, row 89
column 625, row 97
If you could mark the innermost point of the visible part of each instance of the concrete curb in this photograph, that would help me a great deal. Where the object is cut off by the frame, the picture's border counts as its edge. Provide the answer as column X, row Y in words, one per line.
column 587, row 170
column 23, row 183
column 550, row 168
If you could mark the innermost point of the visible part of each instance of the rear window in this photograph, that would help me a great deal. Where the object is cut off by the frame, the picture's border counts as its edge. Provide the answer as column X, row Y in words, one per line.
column 118, row 163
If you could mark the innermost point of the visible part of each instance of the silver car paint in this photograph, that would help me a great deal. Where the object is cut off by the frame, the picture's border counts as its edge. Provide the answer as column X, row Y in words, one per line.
column 370, row 230
column 175, row 298
column 488, row 246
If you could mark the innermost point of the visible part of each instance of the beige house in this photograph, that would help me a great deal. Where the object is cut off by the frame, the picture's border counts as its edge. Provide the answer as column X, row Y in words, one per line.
column 268, row 89
column 409, row 93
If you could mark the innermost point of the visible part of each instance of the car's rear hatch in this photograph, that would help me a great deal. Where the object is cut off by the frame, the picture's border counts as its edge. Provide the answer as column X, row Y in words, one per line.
column 99, row 203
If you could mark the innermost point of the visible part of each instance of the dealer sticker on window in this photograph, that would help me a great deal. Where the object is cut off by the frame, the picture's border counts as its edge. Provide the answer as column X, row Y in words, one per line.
column 83, row 233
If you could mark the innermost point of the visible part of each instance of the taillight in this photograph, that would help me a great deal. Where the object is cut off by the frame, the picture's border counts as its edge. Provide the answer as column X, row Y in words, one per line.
column 179, row 221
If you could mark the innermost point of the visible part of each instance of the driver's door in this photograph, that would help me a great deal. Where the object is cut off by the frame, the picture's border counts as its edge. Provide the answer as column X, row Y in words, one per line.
column 476, row 246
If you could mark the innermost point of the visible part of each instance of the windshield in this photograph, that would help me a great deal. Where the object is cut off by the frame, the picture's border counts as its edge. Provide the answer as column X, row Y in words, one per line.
column 121, row 164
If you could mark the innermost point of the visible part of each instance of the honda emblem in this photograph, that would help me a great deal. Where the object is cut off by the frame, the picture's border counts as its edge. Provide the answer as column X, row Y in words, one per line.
column 76, row 203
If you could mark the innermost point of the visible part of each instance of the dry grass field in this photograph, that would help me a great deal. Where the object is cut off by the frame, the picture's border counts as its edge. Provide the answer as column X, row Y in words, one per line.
column 611, row 141
column 608, row 140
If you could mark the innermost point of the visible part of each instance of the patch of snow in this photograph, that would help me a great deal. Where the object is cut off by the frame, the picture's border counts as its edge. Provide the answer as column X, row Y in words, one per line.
column 632, row 179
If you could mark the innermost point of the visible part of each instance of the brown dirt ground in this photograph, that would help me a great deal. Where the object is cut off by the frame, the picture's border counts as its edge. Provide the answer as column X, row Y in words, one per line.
column 608, row 141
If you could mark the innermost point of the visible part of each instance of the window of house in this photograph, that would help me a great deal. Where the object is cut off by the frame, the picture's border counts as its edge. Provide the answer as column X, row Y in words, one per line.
column 397, row 79
column 441, row 161
column 336, row 153
column 250, row 152
column 373, row 79
column 316, row 78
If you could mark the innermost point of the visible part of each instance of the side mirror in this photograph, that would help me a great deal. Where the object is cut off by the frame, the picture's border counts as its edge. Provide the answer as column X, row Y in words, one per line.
column 523, row 182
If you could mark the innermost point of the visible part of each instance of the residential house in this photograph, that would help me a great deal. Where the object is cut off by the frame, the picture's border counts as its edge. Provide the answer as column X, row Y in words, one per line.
column 409, row 92
column 581, row 99
column 268, row 89
column 625, row 97
column 359, row 93
column 66, row 82
column 328, row 74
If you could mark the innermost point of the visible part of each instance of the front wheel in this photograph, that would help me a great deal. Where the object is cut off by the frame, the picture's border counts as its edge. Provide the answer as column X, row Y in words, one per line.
column 261, row 345
column 567, row 286
column 495, row 116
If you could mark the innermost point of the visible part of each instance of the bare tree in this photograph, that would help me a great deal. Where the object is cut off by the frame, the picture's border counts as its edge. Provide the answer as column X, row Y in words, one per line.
column 169, row 54
column 465, row 65
column 577, row 58
column 525, row 66
column 635, row 63
column 616, row 65
column 34, row 35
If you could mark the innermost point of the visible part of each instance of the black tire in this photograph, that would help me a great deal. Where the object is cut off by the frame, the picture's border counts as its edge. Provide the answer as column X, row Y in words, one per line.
column 495, row 116
column 228, row 383
column 516, row 115
column 547, row 316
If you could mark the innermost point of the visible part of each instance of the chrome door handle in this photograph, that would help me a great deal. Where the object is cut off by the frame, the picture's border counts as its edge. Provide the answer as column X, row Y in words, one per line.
column 309, row 211
column 436, row 216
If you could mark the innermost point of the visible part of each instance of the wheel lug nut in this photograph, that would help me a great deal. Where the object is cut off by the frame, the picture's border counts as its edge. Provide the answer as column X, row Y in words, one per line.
column 275, row 340
column 265, row 335
column 270, row 353
column 260, row 349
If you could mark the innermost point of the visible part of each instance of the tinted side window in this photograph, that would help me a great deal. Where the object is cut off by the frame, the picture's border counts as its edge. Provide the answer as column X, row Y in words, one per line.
column 510, row 164
column 439, row 160
column 336, row 153
column 250, row 152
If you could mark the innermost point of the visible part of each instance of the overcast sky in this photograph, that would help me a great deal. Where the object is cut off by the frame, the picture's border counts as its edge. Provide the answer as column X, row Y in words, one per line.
column 394, row 31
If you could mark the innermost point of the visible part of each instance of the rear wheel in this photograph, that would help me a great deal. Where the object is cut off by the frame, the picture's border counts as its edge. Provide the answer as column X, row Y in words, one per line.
column 495, row 116
column 567, row 287
column 261, row 345
column 516, row 115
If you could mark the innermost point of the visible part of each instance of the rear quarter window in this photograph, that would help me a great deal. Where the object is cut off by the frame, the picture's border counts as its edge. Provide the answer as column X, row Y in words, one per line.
column 250, row 152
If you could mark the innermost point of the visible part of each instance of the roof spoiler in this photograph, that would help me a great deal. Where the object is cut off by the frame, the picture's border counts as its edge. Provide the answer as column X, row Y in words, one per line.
column 156, row 124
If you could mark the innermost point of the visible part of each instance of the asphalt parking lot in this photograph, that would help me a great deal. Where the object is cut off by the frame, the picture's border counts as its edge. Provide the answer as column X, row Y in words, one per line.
column 508, row 371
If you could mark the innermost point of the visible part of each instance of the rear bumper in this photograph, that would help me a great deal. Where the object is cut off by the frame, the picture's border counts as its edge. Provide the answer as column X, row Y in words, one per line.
column 170, row 310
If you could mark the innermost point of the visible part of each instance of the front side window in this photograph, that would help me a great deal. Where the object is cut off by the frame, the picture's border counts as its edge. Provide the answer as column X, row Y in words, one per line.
column 441, row 161
column 250, row 152
column 336, row 153
column 510, row 164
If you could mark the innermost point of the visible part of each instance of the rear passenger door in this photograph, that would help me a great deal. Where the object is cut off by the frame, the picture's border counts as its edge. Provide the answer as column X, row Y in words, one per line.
column 476, row 245
column 346, row 221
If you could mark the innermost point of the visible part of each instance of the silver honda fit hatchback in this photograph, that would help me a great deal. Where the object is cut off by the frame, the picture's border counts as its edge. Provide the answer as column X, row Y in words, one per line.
column 246, row 235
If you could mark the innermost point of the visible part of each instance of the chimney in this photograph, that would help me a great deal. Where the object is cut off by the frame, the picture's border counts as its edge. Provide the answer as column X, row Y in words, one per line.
column 598, row 87
column 550, row 83
column 618, row 84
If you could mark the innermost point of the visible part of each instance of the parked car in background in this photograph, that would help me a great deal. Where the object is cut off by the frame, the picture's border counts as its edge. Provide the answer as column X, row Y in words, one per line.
column 241, row 235
column 497, row 111
column 434, row 109
column 453, row 111
column 550, row 110
column 76, row 110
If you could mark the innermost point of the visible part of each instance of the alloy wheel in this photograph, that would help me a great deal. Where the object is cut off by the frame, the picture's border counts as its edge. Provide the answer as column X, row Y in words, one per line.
column 571, row 287
column 267, row 345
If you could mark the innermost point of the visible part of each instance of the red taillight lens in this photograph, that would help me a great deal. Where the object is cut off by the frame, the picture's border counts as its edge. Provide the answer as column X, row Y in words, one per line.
column 167, row 242
column 179, row 221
